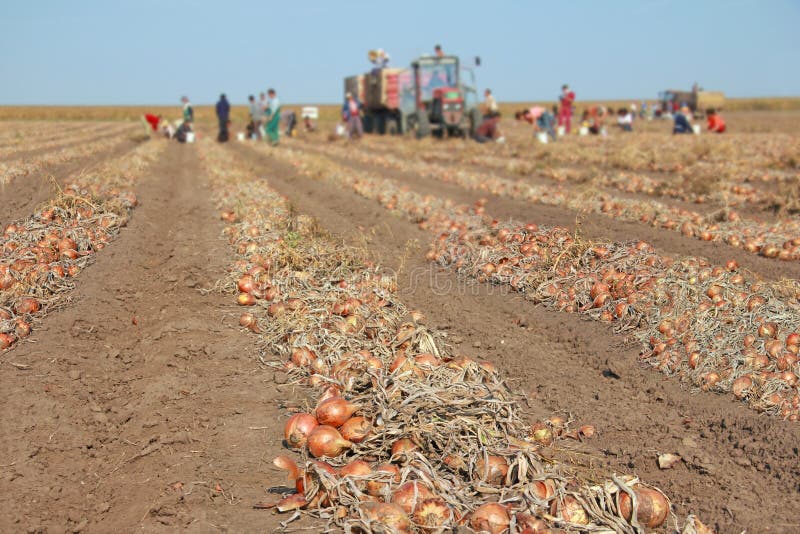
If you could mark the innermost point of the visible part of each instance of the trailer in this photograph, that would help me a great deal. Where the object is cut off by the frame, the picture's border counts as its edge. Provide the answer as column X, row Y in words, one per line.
column 435, row 96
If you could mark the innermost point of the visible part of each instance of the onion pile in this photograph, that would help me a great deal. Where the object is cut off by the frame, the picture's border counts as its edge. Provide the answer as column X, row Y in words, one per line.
column 41, row 254
column 779, row 240
column 441, row 435
column 27, row 165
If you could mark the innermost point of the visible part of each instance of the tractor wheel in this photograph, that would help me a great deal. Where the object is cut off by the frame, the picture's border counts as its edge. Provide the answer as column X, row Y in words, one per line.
column 423, row 126
column 392, row 126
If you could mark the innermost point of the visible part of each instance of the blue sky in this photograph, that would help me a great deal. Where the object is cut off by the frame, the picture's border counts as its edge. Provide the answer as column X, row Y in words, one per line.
column 152, row 51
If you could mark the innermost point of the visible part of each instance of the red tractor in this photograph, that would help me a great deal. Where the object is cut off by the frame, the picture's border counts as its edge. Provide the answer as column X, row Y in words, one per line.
column 430, row 98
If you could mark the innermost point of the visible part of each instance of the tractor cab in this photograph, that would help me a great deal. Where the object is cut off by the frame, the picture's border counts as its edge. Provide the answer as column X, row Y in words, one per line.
column 437, row 101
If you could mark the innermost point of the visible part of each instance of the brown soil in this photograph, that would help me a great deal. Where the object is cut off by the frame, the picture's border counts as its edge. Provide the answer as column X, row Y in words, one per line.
column 142, row 406
column 566, row 365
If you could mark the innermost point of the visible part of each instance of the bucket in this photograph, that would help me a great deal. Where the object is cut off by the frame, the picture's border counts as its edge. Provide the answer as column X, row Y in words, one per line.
column 240, row 136
column 584, row 130
column 542, row 137
column 190, row 137
column 696, row 129
column 561, row 131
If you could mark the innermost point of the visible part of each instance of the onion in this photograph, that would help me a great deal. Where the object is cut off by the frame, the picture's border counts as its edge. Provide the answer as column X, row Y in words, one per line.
column 570, row 510
column 302, row 357
column 26, row 305
column 356, row 429
column 6, row 281
column 246, row 284
column 387, row 514
column 325, row 441
column 491, row 517
column 335, row 411
column 410, row 495
column 527, row 524
column 432, row 515
column 652, row 506
column 493, row 471
column 245, row 299
column 248, row 320
column 330, row 392
column 586, row 431
column 378, row 488
column 6, row 340
column 298, row 428
column 544, row 489
column 402, row 449
column 356, row 468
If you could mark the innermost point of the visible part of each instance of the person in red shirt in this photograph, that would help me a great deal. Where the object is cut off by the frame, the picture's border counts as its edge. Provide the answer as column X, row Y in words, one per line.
column 716, row 123
column 152, row 120
column 565, row 113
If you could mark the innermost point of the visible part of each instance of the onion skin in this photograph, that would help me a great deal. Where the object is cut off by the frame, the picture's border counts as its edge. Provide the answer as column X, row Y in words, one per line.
column 402, row 449
column 298, row 428
column 27, row 305
column 527, row 524
column 6, row 340
column 335, row 411
column 570, row 510
column 491, row 517
column 387, row 514
column 652, row 508
column 410, row 495
column 378, row 488
column 492, row 472
column 326, row 442
column 432, row 515
column 356, row 429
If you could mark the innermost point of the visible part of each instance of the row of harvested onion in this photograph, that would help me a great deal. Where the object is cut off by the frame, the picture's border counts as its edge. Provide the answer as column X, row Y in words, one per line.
column 779, row 239
column 12, row 169
column 42, row 253
column 769, row 158
column 405, row 435
column 718, row 328
column 58, row 138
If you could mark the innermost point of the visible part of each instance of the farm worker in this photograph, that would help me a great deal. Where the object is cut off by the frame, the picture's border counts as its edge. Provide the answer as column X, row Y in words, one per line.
column 152, row 120
column 255, row 117
column 489, row 131
column 715, row 122
column 264, row 105
column 437, row 50
column 625, row 120
column 490, row 108
column 351, row 113
column 223, row 109
column 273, row 115
column 682, row 124
column 567, row 99
column 379, row 58
column 291, row 122
column 541, row 119
column 188, row 111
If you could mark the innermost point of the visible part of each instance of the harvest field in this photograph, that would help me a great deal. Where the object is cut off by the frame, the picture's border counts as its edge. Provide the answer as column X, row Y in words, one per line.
column 393, row 335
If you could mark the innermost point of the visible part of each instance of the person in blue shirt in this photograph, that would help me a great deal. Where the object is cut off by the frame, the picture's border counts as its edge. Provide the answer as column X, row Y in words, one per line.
column 682, row 124
column 223, row 114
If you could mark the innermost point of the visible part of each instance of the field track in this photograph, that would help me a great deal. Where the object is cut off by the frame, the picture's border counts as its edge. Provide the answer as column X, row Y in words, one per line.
column 141, row 405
